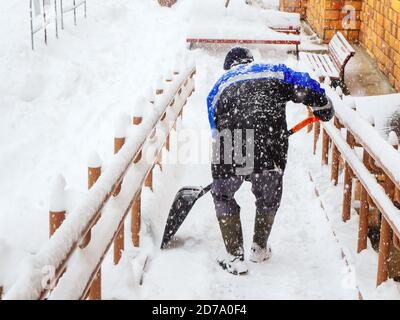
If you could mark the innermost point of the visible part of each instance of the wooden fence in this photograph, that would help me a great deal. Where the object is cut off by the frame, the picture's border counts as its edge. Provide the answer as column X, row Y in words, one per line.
column 373, row 178
column 80, row 239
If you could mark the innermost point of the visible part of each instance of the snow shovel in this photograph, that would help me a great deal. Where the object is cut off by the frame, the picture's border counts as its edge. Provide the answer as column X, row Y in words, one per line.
column 187, row 197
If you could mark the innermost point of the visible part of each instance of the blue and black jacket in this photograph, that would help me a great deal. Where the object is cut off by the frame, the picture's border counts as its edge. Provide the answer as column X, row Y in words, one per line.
column 254, row 96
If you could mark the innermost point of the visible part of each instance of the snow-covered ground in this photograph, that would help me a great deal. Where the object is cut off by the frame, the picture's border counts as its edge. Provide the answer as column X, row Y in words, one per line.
column 60, row 102
column 307, row 261
column 308, row 242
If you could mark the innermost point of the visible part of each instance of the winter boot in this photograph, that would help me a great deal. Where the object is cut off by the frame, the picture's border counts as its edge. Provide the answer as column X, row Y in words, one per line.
column 260, row 250
column 231, row 230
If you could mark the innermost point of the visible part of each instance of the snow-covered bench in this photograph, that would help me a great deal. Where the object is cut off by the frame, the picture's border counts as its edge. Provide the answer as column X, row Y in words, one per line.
column 287, row 29
column 333, row 63
column 295, row 42
column 211, row 22
column 221, row 35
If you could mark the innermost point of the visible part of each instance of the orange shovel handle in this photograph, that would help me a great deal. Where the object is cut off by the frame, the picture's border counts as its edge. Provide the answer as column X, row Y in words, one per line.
column 302, row 124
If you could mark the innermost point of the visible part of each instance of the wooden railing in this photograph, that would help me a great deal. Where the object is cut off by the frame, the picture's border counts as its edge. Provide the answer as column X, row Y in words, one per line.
column 80, row 239
column 376, row 174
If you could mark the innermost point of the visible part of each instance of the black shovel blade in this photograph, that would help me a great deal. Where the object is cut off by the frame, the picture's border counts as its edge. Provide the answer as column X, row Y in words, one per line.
column 183, row 203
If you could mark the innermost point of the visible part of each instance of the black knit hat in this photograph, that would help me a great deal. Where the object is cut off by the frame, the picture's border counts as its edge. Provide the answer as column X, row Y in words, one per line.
column 237, row 56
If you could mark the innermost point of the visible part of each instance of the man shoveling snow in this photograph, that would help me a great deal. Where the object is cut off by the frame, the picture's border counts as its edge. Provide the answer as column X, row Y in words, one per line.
column 247, row 104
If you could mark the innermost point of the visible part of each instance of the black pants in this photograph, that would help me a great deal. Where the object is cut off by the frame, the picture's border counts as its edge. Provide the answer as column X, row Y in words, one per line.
column 266, row 187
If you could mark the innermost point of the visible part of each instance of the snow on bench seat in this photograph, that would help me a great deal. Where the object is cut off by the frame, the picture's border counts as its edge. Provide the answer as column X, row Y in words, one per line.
column 321, row 64
column 211, row 22
column 330, row 65
column 253, row 34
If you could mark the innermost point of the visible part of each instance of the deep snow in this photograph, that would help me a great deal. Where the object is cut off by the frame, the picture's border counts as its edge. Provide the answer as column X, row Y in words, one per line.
column 61, row 102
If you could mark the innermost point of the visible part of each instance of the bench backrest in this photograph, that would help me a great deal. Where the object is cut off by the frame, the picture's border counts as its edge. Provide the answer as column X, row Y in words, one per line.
column 340, row 51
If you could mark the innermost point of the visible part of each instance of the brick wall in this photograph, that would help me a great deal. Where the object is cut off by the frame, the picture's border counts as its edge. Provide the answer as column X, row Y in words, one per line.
column 328, row 16
column 376, row 26
column 298, row 6
column 316, row 16
column 379, row 34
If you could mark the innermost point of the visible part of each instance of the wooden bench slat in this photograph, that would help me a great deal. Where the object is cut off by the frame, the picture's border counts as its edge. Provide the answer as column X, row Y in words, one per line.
column 339, row 55
column 320, row 68
column 305, row 57
column 345, row 43
column 340, row 49
column 335, row 61
column 328, row 66
column 310, row 60
column 332, row 64
column 292, row 30
column 246, row 41
column 295, row 42
column 323, row 63
column 318, row 64
column 334, row 48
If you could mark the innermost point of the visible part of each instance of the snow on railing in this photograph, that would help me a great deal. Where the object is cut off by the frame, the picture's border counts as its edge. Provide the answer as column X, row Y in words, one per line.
column 377, row 173
column 75, row 4
column 81, row 238
column 42, row 13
